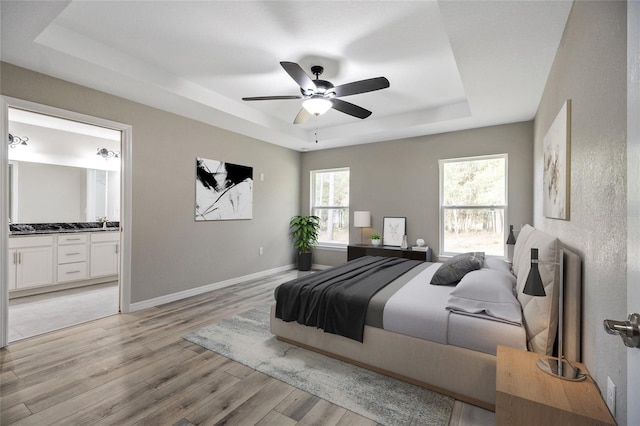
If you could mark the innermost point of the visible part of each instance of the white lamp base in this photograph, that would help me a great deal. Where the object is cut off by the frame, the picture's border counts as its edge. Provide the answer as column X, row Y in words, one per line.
column 561, row 369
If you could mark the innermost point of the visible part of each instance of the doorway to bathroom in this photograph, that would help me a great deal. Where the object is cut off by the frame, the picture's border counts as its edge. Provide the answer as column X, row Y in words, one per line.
column 63, row 203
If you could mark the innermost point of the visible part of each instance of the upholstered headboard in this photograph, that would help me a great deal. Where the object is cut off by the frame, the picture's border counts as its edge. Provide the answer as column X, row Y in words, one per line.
column 540, row 314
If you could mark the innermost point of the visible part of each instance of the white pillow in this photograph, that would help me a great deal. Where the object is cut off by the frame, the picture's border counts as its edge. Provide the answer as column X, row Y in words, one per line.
column 497, row 264
column 487, row 291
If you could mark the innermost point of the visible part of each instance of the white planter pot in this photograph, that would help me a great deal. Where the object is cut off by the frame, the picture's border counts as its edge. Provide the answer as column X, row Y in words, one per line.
column 375, row 242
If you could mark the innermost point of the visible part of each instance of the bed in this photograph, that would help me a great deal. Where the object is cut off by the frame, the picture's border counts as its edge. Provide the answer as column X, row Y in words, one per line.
column 444, row 337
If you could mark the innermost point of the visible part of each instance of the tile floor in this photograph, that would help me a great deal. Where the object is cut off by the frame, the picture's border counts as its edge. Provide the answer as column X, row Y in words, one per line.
column 33, row 315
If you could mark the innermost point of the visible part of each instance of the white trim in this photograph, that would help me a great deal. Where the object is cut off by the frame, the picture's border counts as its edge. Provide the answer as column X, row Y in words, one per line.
column 331, row 247
column 149, row 303
column 4, row 221
column 442, row 208
column 126, row 214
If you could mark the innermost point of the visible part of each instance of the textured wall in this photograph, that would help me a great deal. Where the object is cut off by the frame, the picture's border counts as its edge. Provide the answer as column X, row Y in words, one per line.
column 400, row 178
column 590, row 69
column 170, row 251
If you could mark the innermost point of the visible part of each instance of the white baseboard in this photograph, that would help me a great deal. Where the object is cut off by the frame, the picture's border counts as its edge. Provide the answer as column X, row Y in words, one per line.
column 205, row 288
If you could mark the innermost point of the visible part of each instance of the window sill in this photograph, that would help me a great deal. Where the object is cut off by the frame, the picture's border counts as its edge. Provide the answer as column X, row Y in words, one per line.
column 332, row 247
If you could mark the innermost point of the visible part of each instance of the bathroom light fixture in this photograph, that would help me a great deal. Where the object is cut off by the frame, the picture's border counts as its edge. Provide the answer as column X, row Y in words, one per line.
column 317, row 105
column 106, row 154
column 17, row 140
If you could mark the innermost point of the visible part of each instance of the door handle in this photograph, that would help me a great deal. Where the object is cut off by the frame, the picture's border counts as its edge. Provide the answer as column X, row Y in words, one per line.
column 629, row 330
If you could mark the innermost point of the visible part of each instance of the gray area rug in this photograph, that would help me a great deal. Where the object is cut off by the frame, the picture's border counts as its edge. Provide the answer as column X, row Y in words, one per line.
column 246, row 338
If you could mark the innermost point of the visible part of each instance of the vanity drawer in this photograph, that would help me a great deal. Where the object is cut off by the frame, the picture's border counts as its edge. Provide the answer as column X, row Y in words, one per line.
column 72, row 253
column 72, row 271
column 72, row 239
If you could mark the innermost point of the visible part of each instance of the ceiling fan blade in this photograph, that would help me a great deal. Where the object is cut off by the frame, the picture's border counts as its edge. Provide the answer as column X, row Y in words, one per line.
column 361, row 86
column 303, row 115
column 270, row 98
column 349, row 108
column 297, row 73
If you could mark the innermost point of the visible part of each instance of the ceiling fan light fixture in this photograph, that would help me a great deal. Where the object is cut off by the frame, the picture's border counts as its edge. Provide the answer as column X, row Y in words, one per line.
column 317, row 106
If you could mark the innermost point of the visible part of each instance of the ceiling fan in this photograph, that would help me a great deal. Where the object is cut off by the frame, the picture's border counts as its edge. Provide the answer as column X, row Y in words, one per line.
column 321, row 95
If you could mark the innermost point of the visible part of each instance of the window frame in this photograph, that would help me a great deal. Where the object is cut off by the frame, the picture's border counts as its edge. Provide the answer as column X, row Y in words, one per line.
column 442, row 208
column 312, row 206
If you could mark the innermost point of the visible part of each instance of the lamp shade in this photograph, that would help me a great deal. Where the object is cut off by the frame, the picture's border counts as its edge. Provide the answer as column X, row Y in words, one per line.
column 511, row 239
column 534, row 286
column 317, row 106
column 362, row 219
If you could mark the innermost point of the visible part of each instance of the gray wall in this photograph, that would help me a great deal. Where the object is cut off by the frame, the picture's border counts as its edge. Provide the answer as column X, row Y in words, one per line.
column 590, row 69
column 400, row 178
column 170, row 251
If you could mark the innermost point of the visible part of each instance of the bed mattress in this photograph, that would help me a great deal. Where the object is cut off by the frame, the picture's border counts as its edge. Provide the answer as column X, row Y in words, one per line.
column 418, row 309
column 411, row 306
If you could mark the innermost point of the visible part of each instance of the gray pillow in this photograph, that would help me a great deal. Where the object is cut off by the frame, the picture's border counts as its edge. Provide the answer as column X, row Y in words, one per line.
column 452, row 271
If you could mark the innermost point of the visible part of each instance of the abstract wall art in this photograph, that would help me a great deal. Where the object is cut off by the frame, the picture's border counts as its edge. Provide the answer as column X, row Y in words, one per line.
column 224, row 191
column 557, row 163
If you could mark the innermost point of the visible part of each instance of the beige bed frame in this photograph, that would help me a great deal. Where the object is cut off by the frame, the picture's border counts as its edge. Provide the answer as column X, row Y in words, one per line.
column 464, row 374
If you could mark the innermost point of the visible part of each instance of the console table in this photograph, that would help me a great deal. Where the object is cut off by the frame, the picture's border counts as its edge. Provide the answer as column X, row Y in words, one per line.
column 358, row 250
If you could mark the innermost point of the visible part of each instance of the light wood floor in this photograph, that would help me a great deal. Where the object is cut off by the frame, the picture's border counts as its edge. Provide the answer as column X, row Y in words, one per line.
column 136, row 369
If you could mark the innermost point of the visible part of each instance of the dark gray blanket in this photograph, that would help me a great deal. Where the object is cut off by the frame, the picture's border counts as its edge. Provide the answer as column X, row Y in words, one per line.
column 336, row 299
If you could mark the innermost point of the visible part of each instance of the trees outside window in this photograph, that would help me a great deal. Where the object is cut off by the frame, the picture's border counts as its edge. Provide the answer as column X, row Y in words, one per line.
column 330, row 202
column 473, row 204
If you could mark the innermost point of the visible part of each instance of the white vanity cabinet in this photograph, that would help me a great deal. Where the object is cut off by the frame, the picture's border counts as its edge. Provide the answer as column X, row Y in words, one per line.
column 72, row 257
column 30, row 261
column 51, row 262
column 104, row 253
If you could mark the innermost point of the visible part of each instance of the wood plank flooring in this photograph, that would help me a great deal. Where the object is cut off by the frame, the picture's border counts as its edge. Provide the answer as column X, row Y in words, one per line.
column 135, row 369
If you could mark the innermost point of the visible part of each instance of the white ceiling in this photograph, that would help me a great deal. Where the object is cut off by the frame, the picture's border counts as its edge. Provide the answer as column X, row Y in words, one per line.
column 452, row 65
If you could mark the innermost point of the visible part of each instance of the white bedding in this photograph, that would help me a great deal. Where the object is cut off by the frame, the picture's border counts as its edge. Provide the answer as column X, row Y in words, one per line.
column 484, row 335
column 418, row 309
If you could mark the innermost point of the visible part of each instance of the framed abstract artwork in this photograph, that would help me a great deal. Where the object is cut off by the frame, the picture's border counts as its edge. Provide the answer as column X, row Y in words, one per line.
column 557, row 163
column 393, row 229
column 224, row 191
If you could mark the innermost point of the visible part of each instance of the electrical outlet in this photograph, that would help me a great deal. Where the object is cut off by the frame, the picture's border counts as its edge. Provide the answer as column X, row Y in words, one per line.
column 611, row 396
column 260, row 251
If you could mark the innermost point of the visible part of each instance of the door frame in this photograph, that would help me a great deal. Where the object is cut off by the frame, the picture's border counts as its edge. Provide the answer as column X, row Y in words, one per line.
column 125, row 199
column 633, row 202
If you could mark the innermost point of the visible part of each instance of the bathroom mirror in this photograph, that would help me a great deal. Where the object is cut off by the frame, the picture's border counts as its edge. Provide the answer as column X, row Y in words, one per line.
column 49, row 193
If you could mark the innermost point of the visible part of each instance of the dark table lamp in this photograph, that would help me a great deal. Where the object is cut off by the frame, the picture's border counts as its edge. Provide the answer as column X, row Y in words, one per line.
column 557, row 367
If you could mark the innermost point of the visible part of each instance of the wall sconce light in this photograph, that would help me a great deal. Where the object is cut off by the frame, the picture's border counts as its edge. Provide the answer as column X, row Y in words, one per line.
column 511, row 241
column 106, row 154
column 17, row 140
column 557, row 367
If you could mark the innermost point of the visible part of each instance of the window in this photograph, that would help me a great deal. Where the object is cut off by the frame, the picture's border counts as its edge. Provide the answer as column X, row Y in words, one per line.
column 473, row 205
column 330, row 201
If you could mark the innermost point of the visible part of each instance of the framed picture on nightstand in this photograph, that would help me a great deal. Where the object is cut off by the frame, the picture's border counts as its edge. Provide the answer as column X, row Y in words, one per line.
column 393, row 229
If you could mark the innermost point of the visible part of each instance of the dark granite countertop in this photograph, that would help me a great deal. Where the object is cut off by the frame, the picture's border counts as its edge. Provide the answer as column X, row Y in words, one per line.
column 60, row 228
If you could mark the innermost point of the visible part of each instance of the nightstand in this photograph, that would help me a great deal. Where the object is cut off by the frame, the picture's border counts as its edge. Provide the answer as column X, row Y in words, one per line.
column 525, row 395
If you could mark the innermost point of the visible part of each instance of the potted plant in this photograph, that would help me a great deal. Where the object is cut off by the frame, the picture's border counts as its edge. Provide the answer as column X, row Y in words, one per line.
column 304, row 232
column 376, row 239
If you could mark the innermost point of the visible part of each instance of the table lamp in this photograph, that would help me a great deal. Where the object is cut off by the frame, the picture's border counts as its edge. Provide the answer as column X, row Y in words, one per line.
column 558, row 367
column 361, row 219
